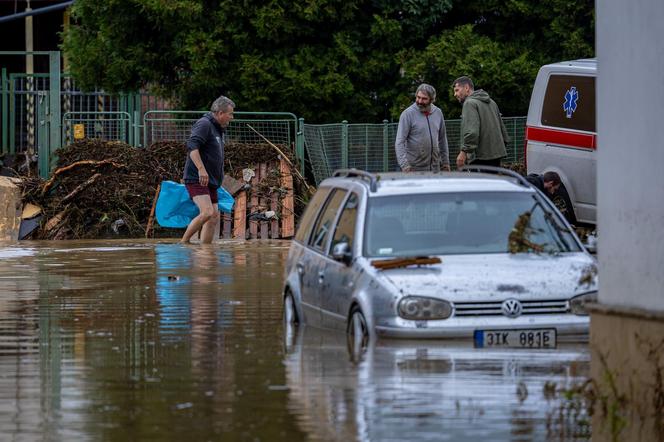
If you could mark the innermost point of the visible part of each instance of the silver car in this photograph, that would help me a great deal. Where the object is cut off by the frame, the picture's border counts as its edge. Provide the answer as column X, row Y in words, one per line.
column 484, row 256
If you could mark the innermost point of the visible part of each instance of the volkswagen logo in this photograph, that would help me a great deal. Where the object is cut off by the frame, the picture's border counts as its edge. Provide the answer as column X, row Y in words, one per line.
column 511, row 308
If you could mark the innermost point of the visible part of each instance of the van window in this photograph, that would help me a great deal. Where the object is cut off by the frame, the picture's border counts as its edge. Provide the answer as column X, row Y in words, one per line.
column 304, row 227
column 569, row 102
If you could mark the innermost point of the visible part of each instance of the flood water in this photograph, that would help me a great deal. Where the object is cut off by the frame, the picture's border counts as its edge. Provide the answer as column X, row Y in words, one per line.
column 152, row 340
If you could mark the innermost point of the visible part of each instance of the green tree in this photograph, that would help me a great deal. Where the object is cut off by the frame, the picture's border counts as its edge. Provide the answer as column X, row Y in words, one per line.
column 324, row 60
column 500, row 45
column 503, row 70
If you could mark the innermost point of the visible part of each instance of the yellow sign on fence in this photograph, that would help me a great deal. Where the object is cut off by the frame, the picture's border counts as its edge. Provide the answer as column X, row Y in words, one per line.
column 79, row 131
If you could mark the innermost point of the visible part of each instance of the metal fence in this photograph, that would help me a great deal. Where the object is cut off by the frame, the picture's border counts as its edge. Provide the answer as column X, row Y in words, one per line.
column 140, row 119
column 112, row 126
column 371, row 146
column 280, row 128
column 20, row 120
column 364, row 146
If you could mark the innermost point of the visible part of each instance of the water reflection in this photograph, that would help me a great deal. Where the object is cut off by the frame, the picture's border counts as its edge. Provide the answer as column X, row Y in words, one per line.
column 182, row 274
column 427, row 390
column 126, row 340
column 141, row 340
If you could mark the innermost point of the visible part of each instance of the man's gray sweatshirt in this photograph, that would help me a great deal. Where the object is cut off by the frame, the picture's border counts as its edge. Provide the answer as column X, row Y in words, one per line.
column 421, row 139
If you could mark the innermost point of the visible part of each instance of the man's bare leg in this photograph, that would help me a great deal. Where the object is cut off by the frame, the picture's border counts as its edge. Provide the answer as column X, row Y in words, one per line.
column 204, row 205
column 207, row 234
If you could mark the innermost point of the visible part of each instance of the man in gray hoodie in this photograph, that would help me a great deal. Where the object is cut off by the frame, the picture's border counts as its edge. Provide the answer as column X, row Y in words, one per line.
column 421, row 142
column 483, row 133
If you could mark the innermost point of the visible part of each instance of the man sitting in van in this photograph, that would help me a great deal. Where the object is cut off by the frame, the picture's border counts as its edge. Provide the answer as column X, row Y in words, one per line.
column 551, row 186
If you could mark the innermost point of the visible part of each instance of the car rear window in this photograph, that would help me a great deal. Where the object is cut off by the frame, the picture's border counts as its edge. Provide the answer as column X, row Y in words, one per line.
column 307, row 220
column 463, row 223
column 569, row 102
column 325, row 221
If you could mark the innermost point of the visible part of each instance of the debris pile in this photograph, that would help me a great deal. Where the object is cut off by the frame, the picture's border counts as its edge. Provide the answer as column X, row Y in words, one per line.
column 103, row 189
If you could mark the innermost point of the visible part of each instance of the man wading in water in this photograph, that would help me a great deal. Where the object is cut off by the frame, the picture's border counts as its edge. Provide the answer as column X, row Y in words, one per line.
column 204, row 169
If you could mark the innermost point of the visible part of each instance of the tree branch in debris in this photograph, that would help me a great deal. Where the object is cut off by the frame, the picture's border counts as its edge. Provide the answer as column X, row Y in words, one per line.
column 95, row 163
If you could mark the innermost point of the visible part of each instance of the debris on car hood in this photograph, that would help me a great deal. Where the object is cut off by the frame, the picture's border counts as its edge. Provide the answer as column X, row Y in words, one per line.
column 395, row 263
column 481, row 277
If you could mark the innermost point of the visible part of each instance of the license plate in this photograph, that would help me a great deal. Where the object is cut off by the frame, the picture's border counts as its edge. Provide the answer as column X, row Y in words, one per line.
column 519, row 338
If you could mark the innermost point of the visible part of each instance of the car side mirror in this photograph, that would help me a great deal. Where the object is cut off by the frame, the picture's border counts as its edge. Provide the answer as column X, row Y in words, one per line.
column 341, row 252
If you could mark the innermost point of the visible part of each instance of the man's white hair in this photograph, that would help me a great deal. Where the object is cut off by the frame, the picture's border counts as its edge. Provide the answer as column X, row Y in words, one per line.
column 222, row 104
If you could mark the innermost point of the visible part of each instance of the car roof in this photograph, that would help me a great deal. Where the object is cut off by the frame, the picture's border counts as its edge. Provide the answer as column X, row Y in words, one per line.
column 399, row 183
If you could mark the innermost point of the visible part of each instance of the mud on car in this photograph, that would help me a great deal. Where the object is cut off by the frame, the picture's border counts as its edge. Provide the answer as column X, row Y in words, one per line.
column 476, row 254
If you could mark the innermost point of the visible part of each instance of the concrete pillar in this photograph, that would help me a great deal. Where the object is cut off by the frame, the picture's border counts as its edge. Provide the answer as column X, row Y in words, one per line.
column 627, row 327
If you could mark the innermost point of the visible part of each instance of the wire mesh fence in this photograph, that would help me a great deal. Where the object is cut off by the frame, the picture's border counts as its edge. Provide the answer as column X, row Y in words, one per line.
column 368, row 147
column 516, row 129
column 111, row 126
column 96, row 114
column 323, row 143
column 20, row 118
column 280, row 128
column 371, row 146
column 168, row 125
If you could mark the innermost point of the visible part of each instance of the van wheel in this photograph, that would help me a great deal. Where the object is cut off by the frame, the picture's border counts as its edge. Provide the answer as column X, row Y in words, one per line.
column 357, row 331
column 290, row 313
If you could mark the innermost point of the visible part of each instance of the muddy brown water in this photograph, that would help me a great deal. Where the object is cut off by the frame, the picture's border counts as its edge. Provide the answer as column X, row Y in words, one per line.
column 151, row 340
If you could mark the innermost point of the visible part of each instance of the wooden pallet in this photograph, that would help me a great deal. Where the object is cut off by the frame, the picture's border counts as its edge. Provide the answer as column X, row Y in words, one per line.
column 246, row 223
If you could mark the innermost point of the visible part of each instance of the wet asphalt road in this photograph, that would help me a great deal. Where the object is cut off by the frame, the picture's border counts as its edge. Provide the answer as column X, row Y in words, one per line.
column 152, row 340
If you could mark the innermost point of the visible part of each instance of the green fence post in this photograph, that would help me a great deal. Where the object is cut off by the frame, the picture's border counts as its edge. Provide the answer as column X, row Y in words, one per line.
column 140, row 120
column 43, row 135
column 386, row 146
column 130, row 110
column 122, row 102
column 299, row 144
column 137, row 129
column 54, row 103
column 344, row 144
column 5, row 111
column 125, row 106
column 12, row 110
column 517, row 152
column 366, row 147
column 144, row 141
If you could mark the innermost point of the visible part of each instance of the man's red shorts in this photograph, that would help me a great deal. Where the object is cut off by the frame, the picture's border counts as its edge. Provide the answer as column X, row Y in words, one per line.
column 197, row 190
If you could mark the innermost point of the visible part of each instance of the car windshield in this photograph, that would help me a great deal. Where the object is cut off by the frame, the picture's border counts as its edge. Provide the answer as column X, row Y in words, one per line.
column 463, row 223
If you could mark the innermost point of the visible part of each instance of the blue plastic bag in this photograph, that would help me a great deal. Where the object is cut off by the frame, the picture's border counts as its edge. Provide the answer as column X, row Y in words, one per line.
column 175, row 209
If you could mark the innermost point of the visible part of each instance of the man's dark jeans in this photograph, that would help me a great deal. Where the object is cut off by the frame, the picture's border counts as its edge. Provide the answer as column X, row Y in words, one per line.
column 495, row 162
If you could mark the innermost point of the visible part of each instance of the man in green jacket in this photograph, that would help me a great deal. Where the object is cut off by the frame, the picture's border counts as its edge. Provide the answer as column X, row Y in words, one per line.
column 484, row 136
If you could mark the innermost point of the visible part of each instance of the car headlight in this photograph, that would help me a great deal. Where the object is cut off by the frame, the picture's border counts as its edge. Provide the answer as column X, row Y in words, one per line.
column 421, row 308
column 577, row 304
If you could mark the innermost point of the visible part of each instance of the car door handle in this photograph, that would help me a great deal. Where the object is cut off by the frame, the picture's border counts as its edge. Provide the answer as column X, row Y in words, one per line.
column 321, row 276
column 300, row 268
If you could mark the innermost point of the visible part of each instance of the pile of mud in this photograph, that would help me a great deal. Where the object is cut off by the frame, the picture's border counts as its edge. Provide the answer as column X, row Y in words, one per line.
column 102, row 189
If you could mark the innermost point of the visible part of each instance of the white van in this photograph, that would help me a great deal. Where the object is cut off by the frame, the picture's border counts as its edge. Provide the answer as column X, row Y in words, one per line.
column 561, row 131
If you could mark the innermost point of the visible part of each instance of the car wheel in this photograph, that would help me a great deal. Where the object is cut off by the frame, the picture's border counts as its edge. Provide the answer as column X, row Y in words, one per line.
column 290, row 313
column 358, row 332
